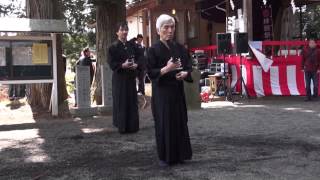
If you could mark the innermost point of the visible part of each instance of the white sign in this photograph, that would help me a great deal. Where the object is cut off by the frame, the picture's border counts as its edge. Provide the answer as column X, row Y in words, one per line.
column 2, row 56
column 22, row 56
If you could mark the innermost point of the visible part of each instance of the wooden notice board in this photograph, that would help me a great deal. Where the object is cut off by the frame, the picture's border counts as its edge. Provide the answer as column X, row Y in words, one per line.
column 25, row 59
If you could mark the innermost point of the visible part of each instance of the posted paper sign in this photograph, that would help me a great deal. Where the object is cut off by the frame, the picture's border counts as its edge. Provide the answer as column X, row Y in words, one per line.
column 40, row 53
column 2, row 56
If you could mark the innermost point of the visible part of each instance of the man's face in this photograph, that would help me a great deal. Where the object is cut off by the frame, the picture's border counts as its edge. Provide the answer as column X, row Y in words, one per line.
column 139, row 40
column 87, row 53
column 122, row 33
column 312, row 43
column 166, row 31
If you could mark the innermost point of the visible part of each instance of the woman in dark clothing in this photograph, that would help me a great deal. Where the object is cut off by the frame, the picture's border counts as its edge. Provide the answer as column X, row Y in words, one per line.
column 123, row 60
column 168, row 66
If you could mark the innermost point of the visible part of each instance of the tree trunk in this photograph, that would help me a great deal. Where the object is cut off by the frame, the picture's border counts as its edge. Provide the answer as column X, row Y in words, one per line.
column 40, row 94
column 108, row 15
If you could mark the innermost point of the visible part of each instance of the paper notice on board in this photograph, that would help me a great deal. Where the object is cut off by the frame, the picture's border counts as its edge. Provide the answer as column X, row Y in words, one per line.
column 40, row 53
column 21, row 56
column 2, row 56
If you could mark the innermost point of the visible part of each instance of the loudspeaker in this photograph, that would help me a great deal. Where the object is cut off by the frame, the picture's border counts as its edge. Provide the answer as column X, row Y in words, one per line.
column 241, row 43
column 223, row 41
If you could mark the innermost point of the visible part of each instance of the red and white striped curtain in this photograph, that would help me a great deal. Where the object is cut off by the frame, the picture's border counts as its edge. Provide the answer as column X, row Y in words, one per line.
column 284, row 78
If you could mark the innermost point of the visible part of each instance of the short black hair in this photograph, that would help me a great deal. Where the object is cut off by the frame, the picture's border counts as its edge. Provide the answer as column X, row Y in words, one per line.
column 139, row 36
column 86, row 49
column 122, row 24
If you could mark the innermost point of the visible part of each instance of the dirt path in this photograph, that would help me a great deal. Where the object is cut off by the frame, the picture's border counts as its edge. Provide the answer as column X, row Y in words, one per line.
column 269, row 138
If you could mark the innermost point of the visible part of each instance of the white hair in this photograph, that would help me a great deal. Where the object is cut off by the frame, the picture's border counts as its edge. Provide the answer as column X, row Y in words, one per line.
column 162, row 19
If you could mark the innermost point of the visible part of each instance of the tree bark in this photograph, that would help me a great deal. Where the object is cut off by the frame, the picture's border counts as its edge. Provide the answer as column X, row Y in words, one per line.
column 41, row 93
column 108, row 15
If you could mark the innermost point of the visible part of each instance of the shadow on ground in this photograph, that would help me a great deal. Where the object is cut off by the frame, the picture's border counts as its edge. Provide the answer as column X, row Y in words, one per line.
column 252, row 139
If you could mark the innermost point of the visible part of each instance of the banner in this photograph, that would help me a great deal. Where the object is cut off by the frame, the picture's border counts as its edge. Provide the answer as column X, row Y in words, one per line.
column 267, row 23
column 256, row 47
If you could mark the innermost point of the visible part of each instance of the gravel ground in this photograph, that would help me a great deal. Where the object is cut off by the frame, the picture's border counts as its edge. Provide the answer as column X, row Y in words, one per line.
column 266, row 138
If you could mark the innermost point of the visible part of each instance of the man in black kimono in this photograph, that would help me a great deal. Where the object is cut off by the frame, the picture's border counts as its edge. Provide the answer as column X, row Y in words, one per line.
column 123, row 60
column 168, row 66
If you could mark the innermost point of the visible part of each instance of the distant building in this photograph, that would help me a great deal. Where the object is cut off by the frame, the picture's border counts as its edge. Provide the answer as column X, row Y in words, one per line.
column 190, row 27
column 198, row 21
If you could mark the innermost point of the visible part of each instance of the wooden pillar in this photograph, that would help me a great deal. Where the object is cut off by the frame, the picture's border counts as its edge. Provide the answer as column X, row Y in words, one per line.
column 247, row 16
column 149, row 27
column 152, row 27
column 54, row 94
column 227, row 13
column 145, row 26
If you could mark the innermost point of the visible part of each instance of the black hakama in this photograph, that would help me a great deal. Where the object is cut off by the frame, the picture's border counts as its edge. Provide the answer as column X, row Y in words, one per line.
column 124, row 92
column 169, row 104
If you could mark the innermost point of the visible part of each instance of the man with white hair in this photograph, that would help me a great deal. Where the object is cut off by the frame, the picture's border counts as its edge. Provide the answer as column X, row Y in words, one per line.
column 168, row 66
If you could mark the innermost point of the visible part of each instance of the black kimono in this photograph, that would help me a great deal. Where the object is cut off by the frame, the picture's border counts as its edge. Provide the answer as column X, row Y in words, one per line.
column 168, row 103
column 124, row 92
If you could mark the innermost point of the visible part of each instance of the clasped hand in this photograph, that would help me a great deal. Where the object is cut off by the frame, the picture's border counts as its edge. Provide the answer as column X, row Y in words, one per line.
column 181, row 75
column 171, row 66
column 129, row 65
column 174, row 66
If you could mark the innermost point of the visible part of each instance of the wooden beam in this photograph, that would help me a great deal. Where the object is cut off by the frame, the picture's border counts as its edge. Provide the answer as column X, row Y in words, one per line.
column 97, row 2
column 147, row 4
column 298, row 3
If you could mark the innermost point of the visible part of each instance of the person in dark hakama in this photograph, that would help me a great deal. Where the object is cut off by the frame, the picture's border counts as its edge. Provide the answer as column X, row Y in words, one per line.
column 123, row 60
column 168, row 65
